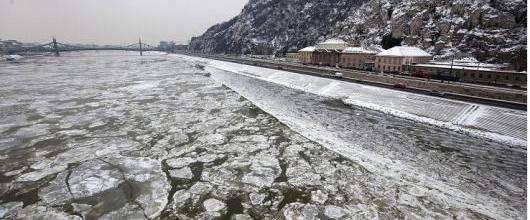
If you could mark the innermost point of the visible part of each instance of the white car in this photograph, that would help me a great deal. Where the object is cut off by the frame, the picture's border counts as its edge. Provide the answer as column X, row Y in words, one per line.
column 13, row 57
column 338, row 75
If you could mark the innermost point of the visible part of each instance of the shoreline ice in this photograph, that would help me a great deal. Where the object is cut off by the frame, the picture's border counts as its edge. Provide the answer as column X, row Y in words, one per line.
column 461, row 120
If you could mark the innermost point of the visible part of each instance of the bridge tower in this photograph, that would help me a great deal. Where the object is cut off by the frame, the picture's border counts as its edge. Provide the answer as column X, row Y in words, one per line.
column 55, row 47
column 140, row 43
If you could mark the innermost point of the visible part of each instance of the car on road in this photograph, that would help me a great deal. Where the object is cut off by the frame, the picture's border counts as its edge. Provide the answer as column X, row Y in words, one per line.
column 400, row 85
column 338, row 75
column 437, row 93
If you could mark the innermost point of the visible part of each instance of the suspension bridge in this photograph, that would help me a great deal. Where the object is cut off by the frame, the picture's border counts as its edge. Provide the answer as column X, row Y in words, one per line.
column 56, row 48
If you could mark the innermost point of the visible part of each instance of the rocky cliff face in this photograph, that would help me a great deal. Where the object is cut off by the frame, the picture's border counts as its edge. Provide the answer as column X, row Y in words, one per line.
column 490, row 30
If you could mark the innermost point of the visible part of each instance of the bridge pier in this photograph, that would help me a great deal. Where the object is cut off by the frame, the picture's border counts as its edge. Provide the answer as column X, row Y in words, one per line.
column 55, row 47
column 140, row 43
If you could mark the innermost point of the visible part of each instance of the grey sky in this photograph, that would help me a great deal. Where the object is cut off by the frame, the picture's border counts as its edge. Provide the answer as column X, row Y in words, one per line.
column 112, row 21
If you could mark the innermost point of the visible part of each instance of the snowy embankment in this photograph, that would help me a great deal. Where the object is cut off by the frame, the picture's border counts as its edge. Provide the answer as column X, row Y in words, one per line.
column 498, row 124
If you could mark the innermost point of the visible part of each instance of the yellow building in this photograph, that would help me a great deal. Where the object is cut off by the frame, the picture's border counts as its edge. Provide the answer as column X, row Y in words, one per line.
column 293, row 57
column 469, row 74
column 306, row 55
column 328, row 52
column 358, row 58
column 393, row 59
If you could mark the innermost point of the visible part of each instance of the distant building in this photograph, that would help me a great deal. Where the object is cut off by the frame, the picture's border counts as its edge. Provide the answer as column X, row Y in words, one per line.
column 393, row 59
column 181, row 47
column 328, row 52
column 464, row 73
column 293, row 57
column 358, row 58
column 306, row 55
column 167, row 46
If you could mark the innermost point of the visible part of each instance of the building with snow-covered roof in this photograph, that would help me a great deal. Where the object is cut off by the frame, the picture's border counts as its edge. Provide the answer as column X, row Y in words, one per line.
column 393, row 59
column 306, row 55
column 479, row 75
column 333, row 44
column 327, row 53
column 358, row 58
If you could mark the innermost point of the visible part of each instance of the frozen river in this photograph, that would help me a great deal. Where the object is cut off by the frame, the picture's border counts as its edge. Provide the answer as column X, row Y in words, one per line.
column 118, row 136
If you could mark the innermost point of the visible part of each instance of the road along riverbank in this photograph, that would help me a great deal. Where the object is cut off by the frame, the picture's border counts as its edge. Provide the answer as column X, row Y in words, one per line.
column 480, row 94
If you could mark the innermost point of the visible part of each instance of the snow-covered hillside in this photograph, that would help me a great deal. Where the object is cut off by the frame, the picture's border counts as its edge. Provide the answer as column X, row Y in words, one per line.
column 491, row 30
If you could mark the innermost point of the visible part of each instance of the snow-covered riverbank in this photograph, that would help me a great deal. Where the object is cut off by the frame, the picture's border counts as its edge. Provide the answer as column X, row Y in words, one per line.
column 498, row 124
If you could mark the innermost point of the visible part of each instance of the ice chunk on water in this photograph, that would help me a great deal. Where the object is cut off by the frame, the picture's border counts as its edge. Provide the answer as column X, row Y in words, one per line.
column 256, row 198
column 154, row 196
column 83, row 181
column 96, row 176
column 241, row 217
column 9, row 207
column 263, row 172
column 295, row 211
column 180, row 198
column 93, row 177
column 180, row 162
column 207, row 158
column 15, row 172
column 214, row 205
column 41, row 212
column 213, row 139
column 129, row 211
column 319, row 197
column 82, row 209
column 302, row 174
column 39, row 174
column 200, row 188
column 184, row 173
column 334, row 212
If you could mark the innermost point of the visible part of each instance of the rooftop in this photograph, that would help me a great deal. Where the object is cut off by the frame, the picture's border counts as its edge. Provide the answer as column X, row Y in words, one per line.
column 334, row 41
column 333, row 44
column 308, row 49
column 404, row 51
column 446, row 66
column 359, row 50
column 468, row 62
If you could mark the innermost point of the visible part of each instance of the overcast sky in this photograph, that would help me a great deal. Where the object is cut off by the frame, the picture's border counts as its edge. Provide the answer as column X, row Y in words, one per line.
column 112, row 21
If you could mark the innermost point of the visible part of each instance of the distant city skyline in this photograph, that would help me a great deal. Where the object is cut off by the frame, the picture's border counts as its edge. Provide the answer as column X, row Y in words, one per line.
column 112, row 21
